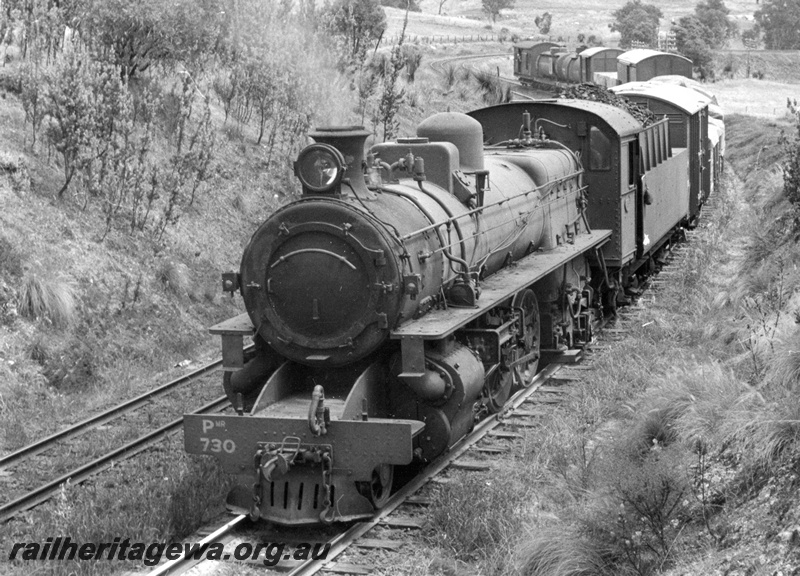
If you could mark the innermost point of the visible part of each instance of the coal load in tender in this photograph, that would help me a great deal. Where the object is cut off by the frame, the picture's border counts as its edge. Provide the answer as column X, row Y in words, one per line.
column 602, row 94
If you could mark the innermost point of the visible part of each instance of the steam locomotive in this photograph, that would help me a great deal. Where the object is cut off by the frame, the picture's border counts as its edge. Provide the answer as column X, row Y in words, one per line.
column 549, row 64
column 408, row 291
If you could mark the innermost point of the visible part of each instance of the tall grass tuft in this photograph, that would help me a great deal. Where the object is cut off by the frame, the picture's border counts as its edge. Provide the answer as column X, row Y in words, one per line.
column 760, row 247
column 477, row 514
column 50, row 300
column 494, row 90
column 450, row 75
column 695, row 399
column 561, row 552
column 764, row 435
column 784, row 371
column 188, row 505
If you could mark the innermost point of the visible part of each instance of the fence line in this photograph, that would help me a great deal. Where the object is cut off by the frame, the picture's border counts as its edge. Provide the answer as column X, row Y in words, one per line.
column 445, row 39
column 465, row 38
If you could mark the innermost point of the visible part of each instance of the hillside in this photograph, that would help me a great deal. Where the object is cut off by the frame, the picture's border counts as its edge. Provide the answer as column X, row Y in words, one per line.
column 141, row 304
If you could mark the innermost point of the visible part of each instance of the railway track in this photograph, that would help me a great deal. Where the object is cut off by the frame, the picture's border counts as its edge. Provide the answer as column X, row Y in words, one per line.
column 440, row 64
column 59, row 441
column 522, row 92
column 504, row 425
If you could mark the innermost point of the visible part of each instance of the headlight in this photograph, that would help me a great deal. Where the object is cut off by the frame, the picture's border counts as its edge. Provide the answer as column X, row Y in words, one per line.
column 320, row 168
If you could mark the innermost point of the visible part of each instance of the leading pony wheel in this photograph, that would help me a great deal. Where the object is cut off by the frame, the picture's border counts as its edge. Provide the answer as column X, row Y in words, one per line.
column 380, row 487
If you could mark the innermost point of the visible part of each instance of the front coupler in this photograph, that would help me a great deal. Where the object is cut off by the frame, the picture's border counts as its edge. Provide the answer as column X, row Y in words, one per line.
column 291, row 476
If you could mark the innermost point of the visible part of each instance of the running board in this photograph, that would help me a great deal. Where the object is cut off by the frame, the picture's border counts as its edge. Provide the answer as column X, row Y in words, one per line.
column 438, row 324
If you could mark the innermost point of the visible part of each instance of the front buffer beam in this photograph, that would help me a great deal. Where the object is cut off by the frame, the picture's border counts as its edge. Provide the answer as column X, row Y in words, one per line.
column 304, row 490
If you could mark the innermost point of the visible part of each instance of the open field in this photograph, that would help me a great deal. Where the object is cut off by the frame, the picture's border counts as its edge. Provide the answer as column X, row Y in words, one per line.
column 761, row 98
column 569, row 19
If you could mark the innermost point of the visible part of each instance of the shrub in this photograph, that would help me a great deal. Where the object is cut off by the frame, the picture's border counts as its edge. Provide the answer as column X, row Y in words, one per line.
column 393, row 94
column 565, row 449
column 645, row 506
column 413, row 58
column 32, row 94
column 139, row 33
column 240, row 204
column 84, row 101
column 730, row 68
column 105, row 129
column 174, row 276
column 50, row 300
column 69, row 366
column 359, row 24
column 17, row 171
column 10, row 258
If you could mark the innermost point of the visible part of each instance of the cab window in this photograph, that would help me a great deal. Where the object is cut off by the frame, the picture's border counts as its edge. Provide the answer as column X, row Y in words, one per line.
column 599, row 150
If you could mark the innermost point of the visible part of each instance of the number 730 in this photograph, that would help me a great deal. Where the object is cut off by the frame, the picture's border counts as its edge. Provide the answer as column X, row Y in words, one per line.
column 217, row 445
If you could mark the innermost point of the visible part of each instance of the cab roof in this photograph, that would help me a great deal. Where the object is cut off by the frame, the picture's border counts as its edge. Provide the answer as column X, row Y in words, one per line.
column 618, row 120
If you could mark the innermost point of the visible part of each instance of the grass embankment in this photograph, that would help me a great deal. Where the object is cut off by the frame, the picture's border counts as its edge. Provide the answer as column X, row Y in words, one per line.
column 679, row 453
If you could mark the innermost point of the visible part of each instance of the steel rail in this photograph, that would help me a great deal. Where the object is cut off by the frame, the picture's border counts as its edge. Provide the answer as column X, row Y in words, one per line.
column 526, row 97
column 41, row 445
column 438, row 65
column 46, row 491
column 183, row 563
